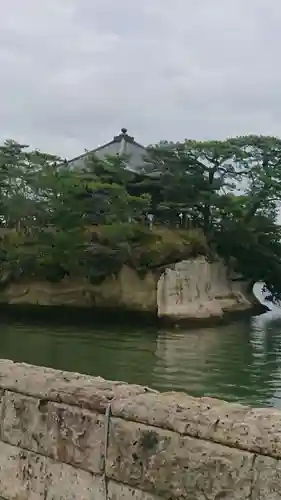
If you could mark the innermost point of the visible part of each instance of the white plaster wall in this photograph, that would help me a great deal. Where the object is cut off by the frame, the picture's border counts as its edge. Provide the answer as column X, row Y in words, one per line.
column 199, row 289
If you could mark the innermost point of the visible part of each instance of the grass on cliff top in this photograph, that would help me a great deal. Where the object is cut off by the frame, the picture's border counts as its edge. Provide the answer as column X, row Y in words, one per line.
column 99, row 253
column 156, row 247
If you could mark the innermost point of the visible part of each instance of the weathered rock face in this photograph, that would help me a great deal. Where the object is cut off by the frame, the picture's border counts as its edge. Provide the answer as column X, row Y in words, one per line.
column 197, row 289
column 192, row 289
column 126, row 290
column 69, row 436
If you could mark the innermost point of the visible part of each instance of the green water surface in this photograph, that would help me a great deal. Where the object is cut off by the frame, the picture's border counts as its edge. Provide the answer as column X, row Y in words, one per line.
column 237, row 362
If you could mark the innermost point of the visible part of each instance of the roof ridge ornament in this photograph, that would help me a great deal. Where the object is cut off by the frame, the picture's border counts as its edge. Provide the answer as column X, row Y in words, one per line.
column 123, row 136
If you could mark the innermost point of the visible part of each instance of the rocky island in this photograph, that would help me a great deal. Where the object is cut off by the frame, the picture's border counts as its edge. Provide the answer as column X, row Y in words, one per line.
column 175, row 239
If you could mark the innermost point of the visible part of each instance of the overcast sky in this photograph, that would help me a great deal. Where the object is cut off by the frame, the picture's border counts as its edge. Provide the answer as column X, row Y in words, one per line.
column 73, row 72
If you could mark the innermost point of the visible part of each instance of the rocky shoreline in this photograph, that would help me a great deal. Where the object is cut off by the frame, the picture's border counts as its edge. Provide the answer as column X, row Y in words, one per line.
column 188, row 293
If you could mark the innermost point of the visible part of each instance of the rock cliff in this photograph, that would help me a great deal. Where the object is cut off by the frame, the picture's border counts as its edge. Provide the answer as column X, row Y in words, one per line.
column 188, row 290
column 198, row 289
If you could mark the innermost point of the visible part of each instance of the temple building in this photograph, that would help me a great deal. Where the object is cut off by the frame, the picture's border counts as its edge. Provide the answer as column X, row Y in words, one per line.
column 122, row 144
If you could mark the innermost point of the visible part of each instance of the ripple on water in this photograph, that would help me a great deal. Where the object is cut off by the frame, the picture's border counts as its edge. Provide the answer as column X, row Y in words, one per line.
column 236, row 362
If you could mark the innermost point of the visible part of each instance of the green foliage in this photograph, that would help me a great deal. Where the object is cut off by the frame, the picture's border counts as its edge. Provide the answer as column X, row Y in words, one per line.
column 164, row 246
column 231, row 190
column 212, row 196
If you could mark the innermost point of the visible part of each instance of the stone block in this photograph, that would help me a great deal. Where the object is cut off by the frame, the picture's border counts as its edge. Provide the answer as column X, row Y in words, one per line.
column 27, row 476
column 173, row 466
column 195, row 417
column 266, row 479
column 22, row 474
column 92, row 393
column 65, row 433
column 118, row 491
column 257, row 430
column 64, row 482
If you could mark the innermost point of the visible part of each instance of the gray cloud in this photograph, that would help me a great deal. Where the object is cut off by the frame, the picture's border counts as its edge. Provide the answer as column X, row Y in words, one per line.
column 73, row 72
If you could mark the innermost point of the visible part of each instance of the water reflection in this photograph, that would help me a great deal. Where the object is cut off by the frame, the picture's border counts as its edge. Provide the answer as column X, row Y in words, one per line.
column 241, row 361
column 266, row 341
column 215, row 362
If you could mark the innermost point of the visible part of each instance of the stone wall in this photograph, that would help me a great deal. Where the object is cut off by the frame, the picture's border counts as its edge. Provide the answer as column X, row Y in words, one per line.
column 70, row 436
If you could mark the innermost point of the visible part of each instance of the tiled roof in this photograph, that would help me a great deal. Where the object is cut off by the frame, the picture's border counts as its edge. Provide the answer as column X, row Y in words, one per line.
column 120, row 144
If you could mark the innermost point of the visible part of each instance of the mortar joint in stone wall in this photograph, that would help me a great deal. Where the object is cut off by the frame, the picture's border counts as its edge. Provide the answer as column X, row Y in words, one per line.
column 106, row 444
